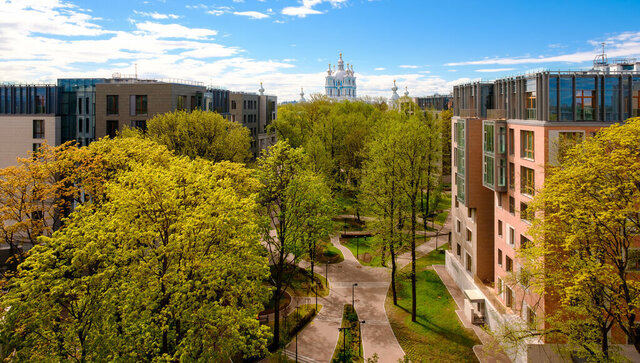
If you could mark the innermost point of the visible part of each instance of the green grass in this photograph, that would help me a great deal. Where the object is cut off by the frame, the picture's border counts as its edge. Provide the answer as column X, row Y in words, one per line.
column 302, row 284
column 364, row 245
column 437, row 335
column 328, row 254
column 353, row 347
column 288, row 323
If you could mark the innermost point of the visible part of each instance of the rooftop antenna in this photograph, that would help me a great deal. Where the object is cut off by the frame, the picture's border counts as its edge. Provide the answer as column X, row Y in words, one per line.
column 136, row 67
column 601, row 59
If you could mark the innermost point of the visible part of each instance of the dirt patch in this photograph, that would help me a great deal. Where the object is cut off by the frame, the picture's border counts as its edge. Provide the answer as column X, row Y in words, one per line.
column 285, row 301
column 366, row 258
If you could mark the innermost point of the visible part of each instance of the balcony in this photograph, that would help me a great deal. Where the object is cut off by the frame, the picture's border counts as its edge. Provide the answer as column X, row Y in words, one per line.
column 531, row 114
column 496, row 114
column 468, row 112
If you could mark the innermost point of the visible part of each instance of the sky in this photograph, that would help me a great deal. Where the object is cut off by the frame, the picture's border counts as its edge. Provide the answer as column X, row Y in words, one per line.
column 427, row 46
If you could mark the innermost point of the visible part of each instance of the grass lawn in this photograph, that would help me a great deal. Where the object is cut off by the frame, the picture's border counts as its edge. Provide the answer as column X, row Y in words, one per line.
column 302, row 284
column 328, row 254
column 438, row 335
column 352, row 350
column 368, row 254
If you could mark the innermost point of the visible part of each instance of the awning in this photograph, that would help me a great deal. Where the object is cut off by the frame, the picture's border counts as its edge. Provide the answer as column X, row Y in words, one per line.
column 474, row 295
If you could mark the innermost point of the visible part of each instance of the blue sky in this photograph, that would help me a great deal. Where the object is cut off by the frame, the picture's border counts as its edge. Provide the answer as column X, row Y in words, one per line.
column 427, row 46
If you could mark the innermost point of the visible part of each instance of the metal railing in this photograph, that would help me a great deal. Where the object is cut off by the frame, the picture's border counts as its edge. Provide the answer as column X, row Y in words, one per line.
column 531, row 114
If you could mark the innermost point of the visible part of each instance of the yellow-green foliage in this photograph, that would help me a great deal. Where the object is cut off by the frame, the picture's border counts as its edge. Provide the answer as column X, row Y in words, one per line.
column 587, row 221
column 164, row 263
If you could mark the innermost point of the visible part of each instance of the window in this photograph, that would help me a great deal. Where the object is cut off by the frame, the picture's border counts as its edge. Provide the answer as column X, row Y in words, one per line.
column 141, row 105
column 511, row 142
column 531, row 317
column 80, row 122
column 633, row 261
column 458, row 249
column 526, row 141
column 86, row 129
column 38, row 129
column 524, row 213
column 469, row 264
column 512, row 236
column 500, row 195
column 112, row 104
column 36, row 147
column 586, row 99
column 458, row 225
column 488, row 170
column 502, row 171
column 524, row 242
column 527, row 182
column 512, row 176
column 469, row 235
column 112, row 128
column 499, row 228
column 140, row 125
column 509, row 264
column 508, row 297
column 512, row 205
column 502, row 143
column 499, row 257
column 86, row 105
column 233, row 105
column 180, row 102
column 79, row 106
column 488, row 138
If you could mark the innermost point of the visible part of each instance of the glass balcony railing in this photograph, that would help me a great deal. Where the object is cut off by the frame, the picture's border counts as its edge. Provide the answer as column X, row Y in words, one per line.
column 531, row 114
column 496, row 114
column 468, row 112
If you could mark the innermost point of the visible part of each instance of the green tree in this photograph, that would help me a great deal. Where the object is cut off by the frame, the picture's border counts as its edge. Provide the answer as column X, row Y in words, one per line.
column 288, row 185
column 381, row 185
column 413, row 166
column 164, row 265
column 584, row 256
column 433, row 150
column 201, row 134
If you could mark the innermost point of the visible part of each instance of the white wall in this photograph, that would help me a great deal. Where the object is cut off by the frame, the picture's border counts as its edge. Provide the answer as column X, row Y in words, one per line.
column 16, row 135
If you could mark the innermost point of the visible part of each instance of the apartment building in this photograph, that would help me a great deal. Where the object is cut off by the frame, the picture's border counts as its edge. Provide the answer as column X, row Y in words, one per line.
column 434, row 102
column 505, row 133
column 78, row 109
column 255, row 112
column 29, row 117
column 131, row 102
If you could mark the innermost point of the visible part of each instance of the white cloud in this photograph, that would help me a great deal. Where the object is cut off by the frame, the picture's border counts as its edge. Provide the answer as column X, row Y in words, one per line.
column 625, row 44
column 407, row 66
column 380, row 69
column 156, row 15
column 306, row 7
column 251, row 14
column 175, row 31
column 492, row 70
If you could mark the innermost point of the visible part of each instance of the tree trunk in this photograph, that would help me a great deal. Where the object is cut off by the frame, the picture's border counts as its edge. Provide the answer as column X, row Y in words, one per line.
column 413, row 259
column 605, row 341
column 393, row 274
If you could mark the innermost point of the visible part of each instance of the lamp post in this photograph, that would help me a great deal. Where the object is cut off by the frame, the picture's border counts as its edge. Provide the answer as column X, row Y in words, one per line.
column 353, row 295
column 344, row 344
column 359, row 338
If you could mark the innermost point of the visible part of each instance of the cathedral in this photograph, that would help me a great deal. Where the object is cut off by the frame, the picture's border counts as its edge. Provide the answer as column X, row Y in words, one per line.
column 341, row 84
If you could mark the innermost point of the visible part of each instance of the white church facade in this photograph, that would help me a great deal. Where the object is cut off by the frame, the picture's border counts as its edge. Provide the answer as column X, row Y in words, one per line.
column 341, row 84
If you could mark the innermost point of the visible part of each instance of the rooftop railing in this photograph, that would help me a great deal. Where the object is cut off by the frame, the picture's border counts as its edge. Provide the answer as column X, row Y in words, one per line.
column 496, row 114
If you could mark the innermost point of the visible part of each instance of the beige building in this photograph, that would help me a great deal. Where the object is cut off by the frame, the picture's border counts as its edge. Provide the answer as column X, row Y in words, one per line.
column 131, row 102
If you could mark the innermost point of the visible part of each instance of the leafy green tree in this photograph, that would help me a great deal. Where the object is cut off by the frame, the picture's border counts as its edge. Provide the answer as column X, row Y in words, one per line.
column 381, row 185
column 584, row 255
column 413, row 166
column 201, row 134
column 432, row 148
column 288, row 186
column 164, row 263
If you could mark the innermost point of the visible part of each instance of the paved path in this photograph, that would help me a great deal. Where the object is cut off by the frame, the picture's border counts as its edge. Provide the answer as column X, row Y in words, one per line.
column 318, row 340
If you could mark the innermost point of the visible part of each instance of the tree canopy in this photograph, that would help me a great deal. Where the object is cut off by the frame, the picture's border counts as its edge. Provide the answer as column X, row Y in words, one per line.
column 202, row 134
column 584, row 256
column 162, row 262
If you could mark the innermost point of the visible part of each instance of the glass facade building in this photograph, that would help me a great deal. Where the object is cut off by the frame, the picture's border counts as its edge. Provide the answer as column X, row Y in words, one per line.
column 28, row 99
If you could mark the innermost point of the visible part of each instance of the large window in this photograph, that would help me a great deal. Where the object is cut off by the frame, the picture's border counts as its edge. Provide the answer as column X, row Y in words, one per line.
column 512, row 142
column 41, row 100
column 512, row 205
column 488, row 170
column 635, row 97
column 112, row 128
column 180, row 102
column 611, row 99
column 141, row 105
column 509, row 264
column 502, row 173
column 112, row 104
column 526, row 141
column 38, row 129
column 585, row 99
column 488, row 138
column 553, row 98
column 566, row 99
column 530, row 100
column 524, row 212
column 527, row 181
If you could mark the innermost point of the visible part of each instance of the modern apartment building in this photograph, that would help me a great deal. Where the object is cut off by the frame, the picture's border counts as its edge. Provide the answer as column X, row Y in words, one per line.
column 78, row 109
column 29, row 117
column 131, row 102
column 505, row 133
column 434, row 102
column 255, row 112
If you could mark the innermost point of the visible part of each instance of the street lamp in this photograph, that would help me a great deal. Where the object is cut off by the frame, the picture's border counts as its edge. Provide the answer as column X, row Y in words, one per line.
column 344, row 343
column 359, row 338
column 353, row 295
